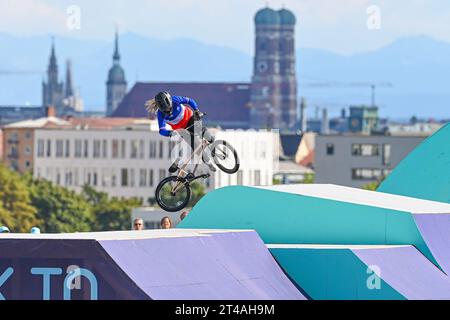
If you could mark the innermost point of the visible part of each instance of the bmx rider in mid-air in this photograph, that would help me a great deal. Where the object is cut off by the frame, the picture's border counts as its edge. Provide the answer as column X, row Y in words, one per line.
column 175, row 113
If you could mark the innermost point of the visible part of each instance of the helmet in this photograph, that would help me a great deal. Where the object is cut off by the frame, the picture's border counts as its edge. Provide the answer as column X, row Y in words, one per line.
column 164, row 102
column 35, row 230
column 4, row 229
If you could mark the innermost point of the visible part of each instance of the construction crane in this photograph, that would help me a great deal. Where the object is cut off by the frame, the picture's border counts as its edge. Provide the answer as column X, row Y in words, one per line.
column 339, row 84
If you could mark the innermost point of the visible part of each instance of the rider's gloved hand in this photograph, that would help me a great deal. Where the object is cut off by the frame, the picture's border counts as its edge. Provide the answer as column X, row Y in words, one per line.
column 197, row 115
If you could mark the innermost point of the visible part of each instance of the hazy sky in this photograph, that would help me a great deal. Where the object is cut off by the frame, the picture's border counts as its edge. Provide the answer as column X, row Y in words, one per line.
column 337, row 25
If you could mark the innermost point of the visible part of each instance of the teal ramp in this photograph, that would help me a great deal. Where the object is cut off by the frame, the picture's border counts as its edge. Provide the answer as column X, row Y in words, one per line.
column 362, row 272
column 316, row 214
column 425, row 172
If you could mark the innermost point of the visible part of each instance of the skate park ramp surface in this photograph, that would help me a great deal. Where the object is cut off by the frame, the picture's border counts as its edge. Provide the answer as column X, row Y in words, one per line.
column 425, row 172
column 362, row 272
column 322, row 214
column 159, row 264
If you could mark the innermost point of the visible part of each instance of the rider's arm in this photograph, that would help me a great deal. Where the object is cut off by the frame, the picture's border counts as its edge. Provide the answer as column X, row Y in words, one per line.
column 163, row 126
column 185, row 100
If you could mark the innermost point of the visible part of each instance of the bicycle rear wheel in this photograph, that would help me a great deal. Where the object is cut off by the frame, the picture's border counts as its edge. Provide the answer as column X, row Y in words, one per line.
column 225, row 156
column 169, row 200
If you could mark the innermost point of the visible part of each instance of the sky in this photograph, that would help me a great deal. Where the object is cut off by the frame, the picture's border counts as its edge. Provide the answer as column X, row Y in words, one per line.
column 339, row 26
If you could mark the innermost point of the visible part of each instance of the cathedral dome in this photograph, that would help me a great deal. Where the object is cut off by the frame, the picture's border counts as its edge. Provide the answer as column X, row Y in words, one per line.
column 267, row 16
column 116, row 74
column 286, row 17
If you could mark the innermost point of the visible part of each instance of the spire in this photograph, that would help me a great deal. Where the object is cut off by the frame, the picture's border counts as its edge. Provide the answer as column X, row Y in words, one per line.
column 116, row 56
column 52, row 71
column 52, row 54
column 69, row 85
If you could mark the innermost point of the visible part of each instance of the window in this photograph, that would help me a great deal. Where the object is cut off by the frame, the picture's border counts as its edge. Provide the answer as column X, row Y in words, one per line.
column 123, row 149
column 171, row 146
column 257, row 177
column 113, row 178
column 150, row 177
column 49, row 148
column 365, row 150
column 58, row 177
column 124, row 177
column 330, row 149
column 95, row 178
column 105, row 177
column 162, row 174
column 142, row 177
column 115, row 149
column 96, row 149
column 86, row 149
column 27, row 150
column 67, row 149
column 386, row 154
column 161, row 149
column 134, row 149
column 40, row 148
column 75, row 175
column 104, row 149
column 78, row 148
column 239, row 177
column 28, row 135
column 152, row 149
column 68, row 178
column 27, row 164
column 141, row 149
column 366, row 174
column 132, row 175
column 59, row 148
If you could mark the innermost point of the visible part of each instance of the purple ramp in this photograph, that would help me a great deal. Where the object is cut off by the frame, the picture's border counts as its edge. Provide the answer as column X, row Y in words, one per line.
column 406, row 270
column 213, row 265
column 435, row 230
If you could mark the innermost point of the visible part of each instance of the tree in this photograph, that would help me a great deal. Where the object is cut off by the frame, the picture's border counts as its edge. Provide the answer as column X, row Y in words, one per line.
column 110, row 214
column 198, row 190
column 60, row 209
column 16, row 209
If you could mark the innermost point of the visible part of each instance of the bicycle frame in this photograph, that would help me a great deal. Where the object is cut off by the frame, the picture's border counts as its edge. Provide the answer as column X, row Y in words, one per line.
column 183, row 173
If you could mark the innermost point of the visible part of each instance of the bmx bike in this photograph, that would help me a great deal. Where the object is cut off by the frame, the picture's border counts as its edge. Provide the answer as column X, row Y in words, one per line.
column 174, row 192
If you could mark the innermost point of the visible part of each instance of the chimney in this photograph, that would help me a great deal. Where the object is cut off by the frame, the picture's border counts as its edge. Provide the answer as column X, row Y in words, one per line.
column 325, row 125
column 50, row 111
column 343, row 113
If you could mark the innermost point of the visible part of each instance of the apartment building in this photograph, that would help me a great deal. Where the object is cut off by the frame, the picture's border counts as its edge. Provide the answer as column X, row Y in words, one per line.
column 356, row 160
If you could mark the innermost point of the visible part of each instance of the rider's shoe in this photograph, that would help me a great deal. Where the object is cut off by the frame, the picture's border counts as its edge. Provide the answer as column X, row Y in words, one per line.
column 174, row 167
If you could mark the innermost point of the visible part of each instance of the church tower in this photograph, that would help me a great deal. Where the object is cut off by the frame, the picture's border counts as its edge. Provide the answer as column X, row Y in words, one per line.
column 52, row 90
column 274, row 86
column 116, row 85
column 265, row 92
column 287, row 69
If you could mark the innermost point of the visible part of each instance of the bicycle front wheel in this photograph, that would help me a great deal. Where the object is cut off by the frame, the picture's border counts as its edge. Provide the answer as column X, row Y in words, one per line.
column 225, row 156
column 173, row 194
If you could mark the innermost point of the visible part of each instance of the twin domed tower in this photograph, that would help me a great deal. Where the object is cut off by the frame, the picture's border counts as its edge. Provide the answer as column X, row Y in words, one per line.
column 274, row 83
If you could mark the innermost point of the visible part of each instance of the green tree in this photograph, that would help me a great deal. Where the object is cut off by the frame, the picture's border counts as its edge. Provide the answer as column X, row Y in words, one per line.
column 110, row 213
column 60, row 209
column 198, row 190
column 16, row 209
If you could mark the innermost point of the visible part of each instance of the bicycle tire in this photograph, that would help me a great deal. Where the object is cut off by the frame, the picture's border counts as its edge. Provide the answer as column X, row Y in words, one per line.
column 233, row 152
column 162, row 204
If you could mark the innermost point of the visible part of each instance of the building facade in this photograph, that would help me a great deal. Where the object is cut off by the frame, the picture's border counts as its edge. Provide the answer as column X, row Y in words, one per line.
column 116, row 84
column 274, row 84
column 129, row 161
column 356, row 160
